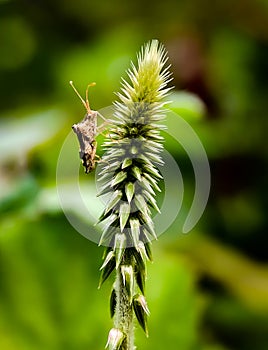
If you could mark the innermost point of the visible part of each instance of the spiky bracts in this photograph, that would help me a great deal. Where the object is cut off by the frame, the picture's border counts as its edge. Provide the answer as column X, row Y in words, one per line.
column 130, row 178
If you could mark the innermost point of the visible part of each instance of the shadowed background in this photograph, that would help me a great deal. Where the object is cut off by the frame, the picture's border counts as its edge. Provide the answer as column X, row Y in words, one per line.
column 207, row 290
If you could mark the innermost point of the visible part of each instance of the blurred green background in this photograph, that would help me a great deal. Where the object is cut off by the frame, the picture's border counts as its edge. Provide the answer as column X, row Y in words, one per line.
column 207, row 290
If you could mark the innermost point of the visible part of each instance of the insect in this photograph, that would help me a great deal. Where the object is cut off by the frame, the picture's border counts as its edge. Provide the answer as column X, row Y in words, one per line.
column 86, row 131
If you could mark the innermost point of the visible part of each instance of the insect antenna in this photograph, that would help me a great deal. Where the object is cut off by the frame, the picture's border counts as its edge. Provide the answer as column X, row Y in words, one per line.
column 85, row 102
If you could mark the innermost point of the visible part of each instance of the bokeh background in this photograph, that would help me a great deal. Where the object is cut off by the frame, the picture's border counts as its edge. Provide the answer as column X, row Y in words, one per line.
column 207, row 290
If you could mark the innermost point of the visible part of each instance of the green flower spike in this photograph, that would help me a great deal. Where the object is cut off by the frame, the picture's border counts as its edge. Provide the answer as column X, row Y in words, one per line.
column 129, row 177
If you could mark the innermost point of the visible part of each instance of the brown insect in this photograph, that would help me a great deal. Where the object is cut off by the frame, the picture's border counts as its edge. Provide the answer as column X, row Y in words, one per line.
column 86, row 131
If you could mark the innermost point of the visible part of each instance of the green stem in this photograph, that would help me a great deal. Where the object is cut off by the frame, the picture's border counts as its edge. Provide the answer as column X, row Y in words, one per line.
column 124, row 313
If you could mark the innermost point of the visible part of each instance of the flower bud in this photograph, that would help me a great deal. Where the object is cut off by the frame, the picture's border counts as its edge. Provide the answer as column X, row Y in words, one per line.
column 115, row 339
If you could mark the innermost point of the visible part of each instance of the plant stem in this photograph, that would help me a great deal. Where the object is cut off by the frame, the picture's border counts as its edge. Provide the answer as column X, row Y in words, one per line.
column 124, row 313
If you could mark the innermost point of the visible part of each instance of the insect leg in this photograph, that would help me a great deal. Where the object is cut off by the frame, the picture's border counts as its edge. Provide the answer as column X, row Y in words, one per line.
column 102, row 117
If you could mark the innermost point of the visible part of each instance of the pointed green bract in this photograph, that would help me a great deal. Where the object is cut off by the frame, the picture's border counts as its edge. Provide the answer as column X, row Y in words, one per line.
column 130, row 190
column 117, row 195
column 120, row 243
column 146, row 185
column 152, row 181
column 106, row 270
column 124, row 212
column 119, row 178
column 108, row 258
column 126, row 163
column 136, row 172
column 112, row 303
column 141, row 204
column 128, row 279
column 143, row 303
column 141, row 311
column 140, row 262
column 143, row 251
column 151, row 200
column 140, row 277
column 148, row 249
column 106, row 236
column 135, row 231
